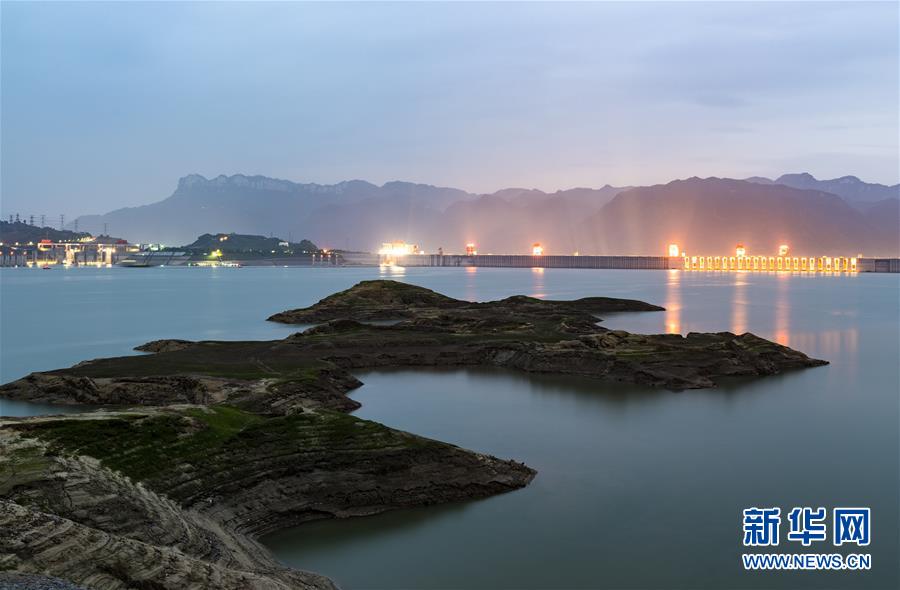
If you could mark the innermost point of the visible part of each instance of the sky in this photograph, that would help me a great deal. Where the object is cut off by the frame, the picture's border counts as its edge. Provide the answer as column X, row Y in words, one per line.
column 105, row 105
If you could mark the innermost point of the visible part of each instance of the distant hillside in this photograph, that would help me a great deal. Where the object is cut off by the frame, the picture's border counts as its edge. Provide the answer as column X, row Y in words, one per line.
column 23, row 233
column 850, row 188
column 709, row 216
column 698, row 214
column 248, row 244
column 510, row 221
column 884, row 217
column 260, row 205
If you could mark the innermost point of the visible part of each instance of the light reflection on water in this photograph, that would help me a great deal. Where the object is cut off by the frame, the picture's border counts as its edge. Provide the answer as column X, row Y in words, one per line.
column 537, row 288
column 739, row 305
column 783, row 311
column 391, row 271
column 641, row 488
column 636, row 488
column 673, row 302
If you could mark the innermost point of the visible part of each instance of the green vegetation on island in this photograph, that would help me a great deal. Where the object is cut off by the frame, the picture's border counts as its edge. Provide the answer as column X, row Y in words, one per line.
column 242, row 246
column 205, row 446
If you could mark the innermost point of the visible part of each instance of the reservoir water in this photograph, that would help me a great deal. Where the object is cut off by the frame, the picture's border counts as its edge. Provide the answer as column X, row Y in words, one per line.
column 636, row 487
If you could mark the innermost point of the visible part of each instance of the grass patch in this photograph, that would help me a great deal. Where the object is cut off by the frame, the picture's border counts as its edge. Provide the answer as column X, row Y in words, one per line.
column 143, row 446
column 216, row 444
column 228, row 360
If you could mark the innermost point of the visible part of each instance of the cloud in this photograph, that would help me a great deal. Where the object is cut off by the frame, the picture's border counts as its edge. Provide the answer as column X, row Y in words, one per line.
column 106, row 105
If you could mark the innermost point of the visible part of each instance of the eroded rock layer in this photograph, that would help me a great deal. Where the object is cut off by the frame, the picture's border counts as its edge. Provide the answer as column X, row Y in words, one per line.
column 211, row 444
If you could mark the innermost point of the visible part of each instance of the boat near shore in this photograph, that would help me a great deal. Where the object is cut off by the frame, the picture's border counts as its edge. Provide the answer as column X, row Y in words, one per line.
column 150, row 258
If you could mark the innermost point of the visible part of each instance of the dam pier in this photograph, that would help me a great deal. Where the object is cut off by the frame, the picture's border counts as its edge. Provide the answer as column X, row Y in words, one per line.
column 402, row 254
column 822, row 264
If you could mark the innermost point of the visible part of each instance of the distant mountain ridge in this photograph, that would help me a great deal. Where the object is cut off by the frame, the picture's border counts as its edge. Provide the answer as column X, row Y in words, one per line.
column 698, row 214
column 709, row 216
column 253, row 205
column 851, row 188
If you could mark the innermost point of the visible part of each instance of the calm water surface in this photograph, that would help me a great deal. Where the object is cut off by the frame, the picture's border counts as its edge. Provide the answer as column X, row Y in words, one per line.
column 636, row 488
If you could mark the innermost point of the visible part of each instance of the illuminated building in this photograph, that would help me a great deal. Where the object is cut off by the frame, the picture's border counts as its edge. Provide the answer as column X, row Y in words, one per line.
column 784, row 263
column 783, row 250
column 398, row 249
column 470, row 249
column 78, row 252
column 537, row 249
column 674, row 250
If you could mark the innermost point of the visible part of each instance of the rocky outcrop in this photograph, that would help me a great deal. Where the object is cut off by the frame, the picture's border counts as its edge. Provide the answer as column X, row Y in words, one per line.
column 14, row 581
column 309, row 369
column 370, row 300
column 150, row 390
column 67, row 515
column 174, row 498
column 37, row 542
column 226, row 441
column 392, row 300
column 165, row 345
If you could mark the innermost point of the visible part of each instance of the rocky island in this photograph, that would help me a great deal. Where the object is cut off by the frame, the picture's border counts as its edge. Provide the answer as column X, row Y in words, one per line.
column 205, row 446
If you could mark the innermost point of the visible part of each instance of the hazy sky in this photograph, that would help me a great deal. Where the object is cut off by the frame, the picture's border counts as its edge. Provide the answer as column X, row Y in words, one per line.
column 106, row 105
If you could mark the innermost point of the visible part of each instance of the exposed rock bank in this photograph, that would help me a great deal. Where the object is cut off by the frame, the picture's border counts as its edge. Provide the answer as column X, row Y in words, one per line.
column 226, row 441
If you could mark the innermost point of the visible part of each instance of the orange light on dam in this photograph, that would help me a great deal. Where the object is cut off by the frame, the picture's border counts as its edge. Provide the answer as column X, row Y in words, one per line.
column 398, row 249
column 674, row 250
column 537, row 249
column 470, row 249
column 751, row 262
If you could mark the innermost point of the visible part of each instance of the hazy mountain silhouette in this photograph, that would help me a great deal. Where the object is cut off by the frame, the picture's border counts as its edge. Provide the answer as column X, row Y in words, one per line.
column 884, row 217
column 352, row 215
column 851, row 188
column 709, row 216
column 702, row 215
column 255, row 205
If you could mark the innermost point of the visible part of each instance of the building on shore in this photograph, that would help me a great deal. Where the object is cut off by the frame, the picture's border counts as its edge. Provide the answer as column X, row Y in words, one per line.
column 88, row 251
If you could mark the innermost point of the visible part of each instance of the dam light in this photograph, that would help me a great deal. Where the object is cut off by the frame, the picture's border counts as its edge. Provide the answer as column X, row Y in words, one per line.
column 783, row 250
column 740, row 251
column 397, row 249
column 674, row 250
column 537, row 249
column 470, row 249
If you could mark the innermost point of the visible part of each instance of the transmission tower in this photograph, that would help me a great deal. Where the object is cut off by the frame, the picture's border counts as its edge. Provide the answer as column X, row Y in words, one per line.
column 62, row 221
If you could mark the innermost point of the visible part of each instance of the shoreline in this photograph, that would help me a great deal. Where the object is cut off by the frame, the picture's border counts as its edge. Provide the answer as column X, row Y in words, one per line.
column 260, row 439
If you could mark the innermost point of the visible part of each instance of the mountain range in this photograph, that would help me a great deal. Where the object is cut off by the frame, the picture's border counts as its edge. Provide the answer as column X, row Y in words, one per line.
column 703, row 215
column 850, row 188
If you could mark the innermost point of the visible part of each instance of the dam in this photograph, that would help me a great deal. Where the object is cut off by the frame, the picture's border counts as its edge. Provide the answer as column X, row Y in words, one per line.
column 816, row 264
